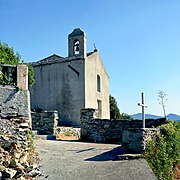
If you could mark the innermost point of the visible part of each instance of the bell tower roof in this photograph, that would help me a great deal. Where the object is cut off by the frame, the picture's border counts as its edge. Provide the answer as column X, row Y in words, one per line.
column 77, row 32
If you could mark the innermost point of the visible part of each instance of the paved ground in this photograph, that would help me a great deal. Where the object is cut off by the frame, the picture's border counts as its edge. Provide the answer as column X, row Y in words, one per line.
column 63, row 160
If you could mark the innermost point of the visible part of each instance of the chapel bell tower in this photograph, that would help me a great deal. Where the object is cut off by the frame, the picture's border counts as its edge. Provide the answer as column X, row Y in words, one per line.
column 77, row 43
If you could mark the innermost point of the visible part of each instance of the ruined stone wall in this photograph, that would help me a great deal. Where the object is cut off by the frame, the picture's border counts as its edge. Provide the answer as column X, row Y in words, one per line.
column 45, row 123
column 16, row 143
column 116, row 131
column 15, row 103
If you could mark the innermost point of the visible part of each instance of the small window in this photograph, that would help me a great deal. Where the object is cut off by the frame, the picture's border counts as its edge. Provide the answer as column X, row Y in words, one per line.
column 98, row 83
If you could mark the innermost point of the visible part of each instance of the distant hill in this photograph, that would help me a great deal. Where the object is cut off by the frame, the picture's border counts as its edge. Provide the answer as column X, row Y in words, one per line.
column 147, row 116
column 171, row 116
column 174, row 117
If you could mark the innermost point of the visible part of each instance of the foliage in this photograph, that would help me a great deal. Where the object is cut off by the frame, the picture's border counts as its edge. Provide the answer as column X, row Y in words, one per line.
column 8, row 56
column 161, row 96
column 125, row 116
column 114, row 110
column 163, row 153
column 30, row 137
column 31, row 79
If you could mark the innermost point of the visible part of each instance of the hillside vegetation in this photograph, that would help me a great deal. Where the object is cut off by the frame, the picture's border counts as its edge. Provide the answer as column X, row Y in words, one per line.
column 163, row 152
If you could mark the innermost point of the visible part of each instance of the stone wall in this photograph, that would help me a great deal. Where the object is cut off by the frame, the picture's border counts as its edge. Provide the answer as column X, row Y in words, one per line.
column 45, row 123
column 135, row 139
column 16, row 143
column 17, row 160
column 15, row 103
column 105, row 130
column 130, row 133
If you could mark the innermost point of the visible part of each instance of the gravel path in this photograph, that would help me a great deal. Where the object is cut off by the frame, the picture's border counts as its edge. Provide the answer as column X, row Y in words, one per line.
column 63, row 160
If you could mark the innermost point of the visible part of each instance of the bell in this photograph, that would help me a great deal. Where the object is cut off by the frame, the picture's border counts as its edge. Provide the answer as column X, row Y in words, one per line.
column 77, row 47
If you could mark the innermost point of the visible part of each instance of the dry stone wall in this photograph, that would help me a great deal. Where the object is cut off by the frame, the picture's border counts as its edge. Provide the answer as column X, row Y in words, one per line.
column 45, row 123
column 16, row 143
column 135, row 139
column 15, row 103
column 16, row 151
column 130, row 133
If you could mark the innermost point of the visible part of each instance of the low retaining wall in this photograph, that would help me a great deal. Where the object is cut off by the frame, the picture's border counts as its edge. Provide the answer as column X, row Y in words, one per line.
column 130, row 133
column 105, row 130
column 45, row 123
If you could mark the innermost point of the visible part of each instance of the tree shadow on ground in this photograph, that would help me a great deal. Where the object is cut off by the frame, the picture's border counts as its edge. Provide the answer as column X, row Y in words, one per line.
column 111, row 155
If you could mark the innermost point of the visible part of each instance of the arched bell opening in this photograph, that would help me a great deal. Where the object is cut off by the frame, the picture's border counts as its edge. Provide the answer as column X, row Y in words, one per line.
column 76, row 47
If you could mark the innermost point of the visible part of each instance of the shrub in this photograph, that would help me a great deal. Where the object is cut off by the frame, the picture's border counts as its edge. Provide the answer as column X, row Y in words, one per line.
column 30, row 137
column 163, row 152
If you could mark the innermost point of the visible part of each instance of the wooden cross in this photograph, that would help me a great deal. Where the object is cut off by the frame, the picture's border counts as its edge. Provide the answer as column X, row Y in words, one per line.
column 143, row 106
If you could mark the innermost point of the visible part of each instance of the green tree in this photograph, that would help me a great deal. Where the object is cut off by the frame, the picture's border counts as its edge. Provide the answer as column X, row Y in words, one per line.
column 8, row 56
column 114, row 110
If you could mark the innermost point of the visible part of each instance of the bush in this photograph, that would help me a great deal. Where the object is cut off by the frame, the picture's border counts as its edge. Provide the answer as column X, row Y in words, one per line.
column 163, row 152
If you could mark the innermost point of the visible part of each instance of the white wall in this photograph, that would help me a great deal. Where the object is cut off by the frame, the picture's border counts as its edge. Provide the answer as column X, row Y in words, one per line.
column 94, row 67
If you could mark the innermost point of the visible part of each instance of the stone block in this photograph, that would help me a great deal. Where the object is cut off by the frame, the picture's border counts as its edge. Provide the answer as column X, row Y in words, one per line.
column 22, row 77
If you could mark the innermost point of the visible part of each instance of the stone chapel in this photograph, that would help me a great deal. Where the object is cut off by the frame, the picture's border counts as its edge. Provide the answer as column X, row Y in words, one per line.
column 69, row 84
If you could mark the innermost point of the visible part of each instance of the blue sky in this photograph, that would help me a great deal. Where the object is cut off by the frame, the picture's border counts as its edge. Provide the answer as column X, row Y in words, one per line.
column 139, row 42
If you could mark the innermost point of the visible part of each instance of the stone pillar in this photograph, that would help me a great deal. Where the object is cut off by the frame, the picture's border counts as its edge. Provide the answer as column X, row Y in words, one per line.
column 22, row 76
column 135, row 139
column 87, row 115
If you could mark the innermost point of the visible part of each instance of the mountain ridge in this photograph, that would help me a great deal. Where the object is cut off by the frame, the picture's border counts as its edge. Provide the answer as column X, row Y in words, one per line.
column 170, row 116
